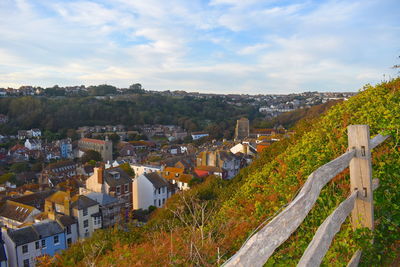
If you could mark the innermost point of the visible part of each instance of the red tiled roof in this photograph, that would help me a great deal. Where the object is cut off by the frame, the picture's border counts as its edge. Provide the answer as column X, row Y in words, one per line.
column 96, row 141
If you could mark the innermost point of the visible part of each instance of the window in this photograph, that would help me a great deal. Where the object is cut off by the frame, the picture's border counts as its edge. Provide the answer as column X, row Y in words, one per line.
column 86, row 223
column 26, row 263
column 37, row 245
column 25, row 249
column 126, row 188
column 155, row 203
column 118, row 189
column 43, row 243
column 69, row 242
column 85, row 212
column 163, row 201
column 159, row 202
column 159, row 190
column 56, row 240
column 68, row 229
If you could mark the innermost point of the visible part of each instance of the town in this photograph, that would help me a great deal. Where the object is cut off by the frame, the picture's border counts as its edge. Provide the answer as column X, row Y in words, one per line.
column 57, row 192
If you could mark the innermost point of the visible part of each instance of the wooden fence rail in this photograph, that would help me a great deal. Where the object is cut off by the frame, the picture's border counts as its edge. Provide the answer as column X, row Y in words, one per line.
column 258, row 248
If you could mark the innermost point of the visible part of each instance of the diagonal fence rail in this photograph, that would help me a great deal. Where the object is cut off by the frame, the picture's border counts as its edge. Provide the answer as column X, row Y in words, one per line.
column 258, row 248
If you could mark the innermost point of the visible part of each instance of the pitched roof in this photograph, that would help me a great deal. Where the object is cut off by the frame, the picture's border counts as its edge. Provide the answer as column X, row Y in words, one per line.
column 81, row 202
column 156, row 179
column 66, row 220
column 109, row 175
column 59, row 197
column 23, row 235
column 16, row 211
column 102, row 199
column 47, row 228
column 96, row 141
column 34, row 232
column 36, row 199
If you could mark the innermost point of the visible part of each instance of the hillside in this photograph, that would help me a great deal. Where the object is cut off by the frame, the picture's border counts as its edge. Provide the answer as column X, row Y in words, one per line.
column 206, row 225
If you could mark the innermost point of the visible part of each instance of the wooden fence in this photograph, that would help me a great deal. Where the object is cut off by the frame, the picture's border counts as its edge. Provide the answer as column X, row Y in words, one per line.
column 257, row 250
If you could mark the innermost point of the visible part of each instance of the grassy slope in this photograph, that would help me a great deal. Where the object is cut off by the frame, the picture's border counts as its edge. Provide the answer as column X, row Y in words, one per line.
column 238, row 207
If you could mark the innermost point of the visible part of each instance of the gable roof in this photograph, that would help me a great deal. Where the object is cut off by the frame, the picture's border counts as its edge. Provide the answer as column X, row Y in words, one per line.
column 47, row 228
column 82, row 202
column 36, row 199
column 23, row 235
column 156, row 180
column 95, row 141
column 59, row 197
column 124, row 178
column 34, row 232
column 16, row 211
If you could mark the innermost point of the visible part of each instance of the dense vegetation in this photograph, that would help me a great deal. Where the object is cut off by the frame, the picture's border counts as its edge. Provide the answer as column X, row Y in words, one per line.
column 60, row 114
column 180, row 235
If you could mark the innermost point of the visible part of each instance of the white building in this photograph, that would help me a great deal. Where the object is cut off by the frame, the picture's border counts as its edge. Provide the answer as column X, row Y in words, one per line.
column 198, row 135
column 34, row 133
column 33, row 144
column 150, row 189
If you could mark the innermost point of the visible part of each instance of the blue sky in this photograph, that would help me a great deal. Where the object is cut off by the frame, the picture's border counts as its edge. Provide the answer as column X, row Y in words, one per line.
column 220, row 46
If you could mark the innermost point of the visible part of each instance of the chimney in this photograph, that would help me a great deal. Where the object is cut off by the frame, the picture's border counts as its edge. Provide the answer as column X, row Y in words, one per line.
column 52, row 215
column 67, row 210
column 99, row 173
column 48, row 206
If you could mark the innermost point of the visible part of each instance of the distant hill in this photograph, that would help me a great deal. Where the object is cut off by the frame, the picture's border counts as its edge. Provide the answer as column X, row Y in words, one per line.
column 207, row 224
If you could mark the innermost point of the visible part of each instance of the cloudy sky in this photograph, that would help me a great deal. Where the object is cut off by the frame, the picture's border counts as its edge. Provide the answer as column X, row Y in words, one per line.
column 221, row 46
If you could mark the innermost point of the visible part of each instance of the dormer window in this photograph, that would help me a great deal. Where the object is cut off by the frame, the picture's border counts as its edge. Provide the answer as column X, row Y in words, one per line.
column 115, row 175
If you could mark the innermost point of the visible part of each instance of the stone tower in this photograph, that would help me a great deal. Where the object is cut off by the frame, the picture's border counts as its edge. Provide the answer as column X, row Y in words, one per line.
column 242, row 129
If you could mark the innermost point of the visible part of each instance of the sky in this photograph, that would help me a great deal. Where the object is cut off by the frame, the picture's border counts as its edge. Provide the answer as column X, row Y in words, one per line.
column 217, row 46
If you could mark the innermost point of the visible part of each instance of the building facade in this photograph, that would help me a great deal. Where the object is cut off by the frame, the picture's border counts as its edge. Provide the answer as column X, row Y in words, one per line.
column 104, row 147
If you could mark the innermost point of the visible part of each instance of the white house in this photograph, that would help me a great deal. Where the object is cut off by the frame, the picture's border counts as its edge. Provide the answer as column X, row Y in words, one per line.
column 150, row 189
column 33, row 144
column 198, row 135
column 141, row 169
column 34, row 133
column 245, row 148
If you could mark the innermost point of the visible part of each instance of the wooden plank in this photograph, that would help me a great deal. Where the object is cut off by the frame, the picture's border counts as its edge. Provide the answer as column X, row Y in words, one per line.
column 361, row 176
column 355, row 259
column 377, row 140
column 322, row 239
column 257, row 250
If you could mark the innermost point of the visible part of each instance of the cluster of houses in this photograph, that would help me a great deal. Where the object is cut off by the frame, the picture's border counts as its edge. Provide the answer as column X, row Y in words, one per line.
column 68, row 201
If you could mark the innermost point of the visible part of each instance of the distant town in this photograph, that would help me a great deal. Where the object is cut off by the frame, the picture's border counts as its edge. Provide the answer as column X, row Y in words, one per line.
column 57, row 192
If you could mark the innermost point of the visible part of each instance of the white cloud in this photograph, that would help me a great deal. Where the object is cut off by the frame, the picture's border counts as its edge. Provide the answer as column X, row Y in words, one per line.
column 252, row 49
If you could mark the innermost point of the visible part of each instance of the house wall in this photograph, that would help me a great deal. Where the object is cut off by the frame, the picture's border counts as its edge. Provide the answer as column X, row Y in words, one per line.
column 51, row 247
column 74, row 235
column 85, row 231
column 10, row 248
column 143, row 193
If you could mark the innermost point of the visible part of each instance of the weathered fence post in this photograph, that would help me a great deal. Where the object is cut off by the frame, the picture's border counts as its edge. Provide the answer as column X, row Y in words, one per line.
column 361, row 176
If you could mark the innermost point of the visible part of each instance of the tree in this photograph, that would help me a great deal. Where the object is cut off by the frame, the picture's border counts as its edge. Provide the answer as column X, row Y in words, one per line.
column 136, row 88
column 101, row 90
column 91, row 155
column 19, row 167
column 127, row 168
column 7, row 177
